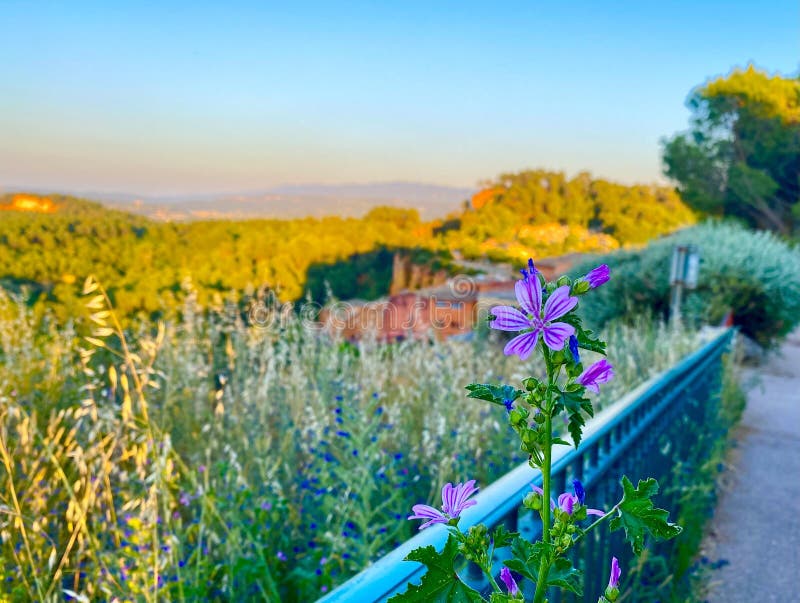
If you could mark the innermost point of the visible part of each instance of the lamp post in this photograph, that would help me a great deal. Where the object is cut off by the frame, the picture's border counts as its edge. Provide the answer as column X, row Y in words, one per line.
column 684, row 273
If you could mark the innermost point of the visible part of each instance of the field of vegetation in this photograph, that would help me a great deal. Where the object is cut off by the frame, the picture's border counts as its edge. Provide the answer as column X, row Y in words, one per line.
column 211, row 459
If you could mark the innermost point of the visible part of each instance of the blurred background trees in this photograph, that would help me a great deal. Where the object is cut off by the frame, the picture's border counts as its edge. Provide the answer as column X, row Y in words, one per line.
column 741, row 156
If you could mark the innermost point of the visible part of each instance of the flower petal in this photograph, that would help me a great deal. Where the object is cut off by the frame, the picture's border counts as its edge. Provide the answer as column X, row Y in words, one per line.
column 522, row 345
column 597, row 512
column 425, row 512
column 529, row 294
column 448, row 497
column 460, row 502
column 433, row 521
column 556, row 334
column 559, row 303
column 507, row 318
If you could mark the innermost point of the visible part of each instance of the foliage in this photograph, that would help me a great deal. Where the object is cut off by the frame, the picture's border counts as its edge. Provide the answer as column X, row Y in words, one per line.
column 147, row 265
column 638, row 517
column 231, row 460
column 543, row 213
column 754, row 275
column 438, row 585
column 741, row 157
column 546, row 562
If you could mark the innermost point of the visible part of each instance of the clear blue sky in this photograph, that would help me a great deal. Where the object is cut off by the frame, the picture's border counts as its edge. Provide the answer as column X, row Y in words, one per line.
column 229, row 96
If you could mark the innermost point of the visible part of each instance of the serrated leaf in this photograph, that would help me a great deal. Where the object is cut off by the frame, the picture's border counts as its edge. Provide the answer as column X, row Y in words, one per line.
column 440, row 584
column 575, row 403
column 526, row 558
column 638, row 516
column 563, row 575
column 561, row 442
column 502, row 537
column 495, row 394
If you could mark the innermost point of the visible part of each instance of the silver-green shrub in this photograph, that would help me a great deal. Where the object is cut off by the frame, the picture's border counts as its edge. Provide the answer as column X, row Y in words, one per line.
column 753, row 274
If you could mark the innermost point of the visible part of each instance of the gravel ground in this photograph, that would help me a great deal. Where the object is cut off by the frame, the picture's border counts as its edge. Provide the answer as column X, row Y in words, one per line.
column 754, row 537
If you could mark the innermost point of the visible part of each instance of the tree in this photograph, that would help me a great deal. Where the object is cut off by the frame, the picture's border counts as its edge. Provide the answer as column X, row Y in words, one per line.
column 741, row 156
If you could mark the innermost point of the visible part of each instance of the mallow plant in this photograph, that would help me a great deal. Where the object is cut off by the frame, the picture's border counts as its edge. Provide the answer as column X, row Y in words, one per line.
column 549, row 331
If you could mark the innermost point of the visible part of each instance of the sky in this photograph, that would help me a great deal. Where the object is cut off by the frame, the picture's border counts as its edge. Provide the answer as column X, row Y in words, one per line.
column 178, row 98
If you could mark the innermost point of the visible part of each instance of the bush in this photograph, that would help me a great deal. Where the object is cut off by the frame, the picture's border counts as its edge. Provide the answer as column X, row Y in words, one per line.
column 755, row 275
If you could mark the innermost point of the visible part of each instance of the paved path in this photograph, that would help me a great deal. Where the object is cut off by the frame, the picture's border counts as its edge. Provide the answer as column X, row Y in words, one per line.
column 756, row 528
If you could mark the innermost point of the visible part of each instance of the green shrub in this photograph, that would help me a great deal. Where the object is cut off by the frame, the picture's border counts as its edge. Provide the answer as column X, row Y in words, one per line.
column 755, row 275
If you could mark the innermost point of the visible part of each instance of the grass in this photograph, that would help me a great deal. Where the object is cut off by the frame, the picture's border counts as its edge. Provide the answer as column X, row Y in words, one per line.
column 208, row 459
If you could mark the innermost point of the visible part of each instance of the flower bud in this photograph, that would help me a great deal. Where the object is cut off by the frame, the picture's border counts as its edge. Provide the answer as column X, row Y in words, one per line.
column 532, row 501
column 580, row 287
column 563, row 280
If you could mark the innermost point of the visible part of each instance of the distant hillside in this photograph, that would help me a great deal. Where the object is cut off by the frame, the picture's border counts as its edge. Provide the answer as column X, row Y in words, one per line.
column 49, row 244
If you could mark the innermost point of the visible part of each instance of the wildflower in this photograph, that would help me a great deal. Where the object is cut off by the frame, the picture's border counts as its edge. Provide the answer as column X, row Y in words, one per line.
column 509, row 404
column 567, row 501
column 600, row 372
column 573, row 348
column 537, row 319
column 281, row 556
column 616, row 572
column 597, row 276
column 454, row 501
column 508, row 580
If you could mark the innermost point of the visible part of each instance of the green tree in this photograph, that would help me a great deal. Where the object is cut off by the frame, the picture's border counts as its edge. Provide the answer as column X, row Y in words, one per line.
column 741, row 156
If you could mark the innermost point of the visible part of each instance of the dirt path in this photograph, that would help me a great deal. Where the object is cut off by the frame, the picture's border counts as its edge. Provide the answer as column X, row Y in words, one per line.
column 754, row 536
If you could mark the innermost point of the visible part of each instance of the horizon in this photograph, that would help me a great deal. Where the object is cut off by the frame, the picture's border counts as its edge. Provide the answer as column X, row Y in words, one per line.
column 192, row 100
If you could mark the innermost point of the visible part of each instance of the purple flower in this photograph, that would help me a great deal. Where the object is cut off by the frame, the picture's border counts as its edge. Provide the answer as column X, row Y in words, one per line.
column 567, row 501
column 600, row 372
column 613, row 580
column 508, row 580
column 454, row 501
column 281, row 556
column 598, row 276
column 537, row 319
column 573, row 348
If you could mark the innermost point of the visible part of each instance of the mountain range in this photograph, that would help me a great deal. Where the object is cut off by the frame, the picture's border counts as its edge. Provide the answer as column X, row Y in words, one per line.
column 288, row 201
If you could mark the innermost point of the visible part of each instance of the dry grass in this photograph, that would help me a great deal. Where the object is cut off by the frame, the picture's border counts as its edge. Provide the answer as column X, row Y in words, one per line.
column 207, row 459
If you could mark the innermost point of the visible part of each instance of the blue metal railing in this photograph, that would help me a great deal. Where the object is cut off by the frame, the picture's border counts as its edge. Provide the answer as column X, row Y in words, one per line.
column 641, row 435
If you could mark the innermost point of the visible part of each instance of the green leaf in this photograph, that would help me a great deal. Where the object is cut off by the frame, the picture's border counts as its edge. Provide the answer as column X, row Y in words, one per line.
column 563, row 575
column 575, row 427
column 638, row 516
column 440, row 584
column 502, row 537
column 526, row 558
column 575, row 403
column 495, row 394
column 585, row 337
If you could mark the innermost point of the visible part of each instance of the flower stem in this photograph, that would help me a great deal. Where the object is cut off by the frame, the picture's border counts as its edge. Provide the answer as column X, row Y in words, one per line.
column 544, row 564
column 595, row 523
